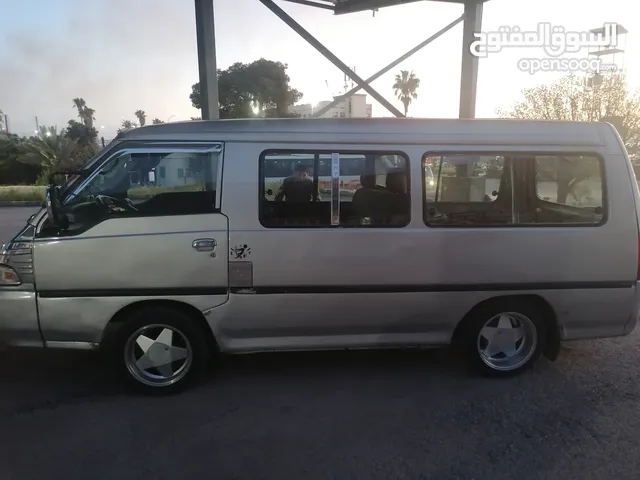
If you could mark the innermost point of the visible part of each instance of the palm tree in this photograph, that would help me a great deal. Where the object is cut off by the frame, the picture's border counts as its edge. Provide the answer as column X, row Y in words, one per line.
column 405, row 88
column 85, row 113
column 142, row 117
column 80, row 104
column 127, row 125
column 87, row 117
column 51, row 150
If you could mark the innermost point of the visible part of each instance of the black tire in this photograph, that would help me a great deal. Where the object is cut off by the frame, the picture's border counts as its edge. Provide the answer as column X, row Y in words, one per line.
column 468, row 340
column 187, row 334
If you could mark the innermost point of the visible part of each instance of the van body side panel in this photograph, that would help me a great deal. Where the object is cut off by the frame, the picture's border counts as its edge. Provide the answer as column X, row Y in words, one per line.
column 83, row 319
column 355, row 286
column 19, row 319
column 317, row 321
column 593, row 313
column 125, row 260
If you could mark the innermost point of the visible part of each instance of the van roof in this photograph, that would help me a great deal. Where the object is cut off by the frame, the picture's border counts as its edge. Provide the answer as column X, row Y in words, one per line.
column 381, row 130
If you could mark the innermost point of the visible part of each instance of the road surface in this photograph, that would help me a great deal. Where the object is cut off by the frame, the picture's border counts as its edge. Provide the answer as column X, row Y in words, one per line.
column 355, row 415
column 13, row 219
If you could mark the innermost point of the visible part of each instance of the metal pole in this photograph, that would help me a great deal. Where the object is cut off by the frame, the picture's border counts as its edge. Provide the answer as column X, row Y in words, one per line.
column 295, row 26
column 205, row 34
column 469, row 71
column 396, row 62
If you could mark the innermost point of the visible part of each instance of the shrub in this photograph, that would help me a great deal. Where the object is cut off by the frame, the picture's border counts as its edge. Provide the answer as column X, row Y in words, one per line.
column 22, row 193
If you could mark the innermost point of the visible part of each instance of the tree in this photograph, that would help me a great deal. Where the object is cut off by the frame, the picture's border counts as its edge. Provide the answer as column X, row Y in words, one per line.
column 84, row 113
column 79, row 104
column 270, row 87
column 127, row 125
column 81, row 133
column 156, row 121
column 51, row 150
column 141, row 116
column 263, row 84
column 405, row 88
column 13, row 172
column 579, row 98
column 88, row 118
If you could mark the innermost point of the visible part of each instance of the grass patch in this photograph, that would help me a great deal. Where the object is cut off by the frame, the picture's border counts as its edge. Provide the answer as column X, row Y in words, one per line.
column 22, row 193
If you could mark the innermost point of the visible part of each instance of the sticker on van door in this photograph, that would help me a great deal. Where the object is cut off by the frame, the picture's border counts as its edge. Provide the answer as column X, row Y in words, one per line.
column 240, row 251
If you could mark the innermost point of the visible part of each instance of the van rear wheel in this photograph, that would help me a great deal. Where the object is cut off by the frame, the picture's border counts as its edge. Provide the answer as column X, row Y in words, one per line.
column 160, row 350
column 503, row 338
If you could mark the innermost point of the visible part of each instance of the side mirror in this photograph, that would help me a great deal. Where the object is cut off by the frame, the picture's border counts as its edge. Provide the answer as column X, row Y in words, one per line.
column 54, row 207
column 269, row 192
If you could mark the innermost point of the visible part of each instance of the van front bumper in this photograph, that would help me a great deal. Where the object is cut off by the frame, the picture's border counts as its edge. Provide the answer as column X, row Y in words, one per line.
column 19, row 318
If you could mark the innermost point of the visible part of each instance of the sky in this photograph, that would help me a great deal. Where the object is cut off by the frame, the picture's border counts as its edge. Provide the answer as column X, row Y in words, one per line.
column 125, row 55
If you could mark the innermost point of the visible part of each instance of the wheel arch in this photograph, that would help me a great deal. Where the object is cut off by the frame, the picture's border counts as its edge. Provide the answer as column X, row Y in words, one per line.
column 121, row 315
column 554, row 336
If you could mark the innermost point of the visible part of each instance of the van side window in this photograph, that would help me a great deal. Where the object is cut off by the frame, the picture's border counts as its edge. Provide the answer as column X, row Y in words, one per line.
column 154, row 183
column 467, row 190
column 569, row 180
column 569, row 189
column 513, row 189
column 296, row 190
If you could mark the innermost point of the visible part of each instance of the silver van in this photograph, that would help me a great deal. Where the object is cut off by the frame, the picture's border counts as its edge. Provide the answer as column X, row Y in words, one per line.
column 182, row 241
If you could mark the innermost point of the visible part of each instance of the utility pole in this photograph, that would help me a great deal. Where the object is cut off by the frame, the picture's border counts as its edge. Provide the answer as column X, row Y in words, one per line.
column 617, row 35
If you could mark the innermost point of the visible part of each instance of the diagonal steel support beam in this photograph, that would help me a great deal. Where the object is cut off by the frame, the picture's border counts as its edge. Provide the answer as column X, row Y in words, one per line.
column 312, row 4
column 396, row 62
column 295, row 26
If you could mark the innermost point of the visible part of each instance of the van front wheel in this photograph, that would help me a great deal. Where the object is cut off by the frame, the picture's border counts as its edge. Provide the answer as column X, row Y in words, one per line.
column 160, row 350
column 504, row 339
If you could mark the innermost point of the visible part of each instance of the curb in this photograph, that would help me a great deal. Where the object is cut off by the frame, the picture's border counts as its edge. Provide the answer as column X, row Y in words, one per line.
column 20, row 204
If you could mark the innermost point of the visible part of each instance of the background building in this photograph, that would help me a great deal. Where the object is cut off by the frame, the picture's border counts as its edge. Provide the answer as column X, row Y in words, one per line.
column 355, row 106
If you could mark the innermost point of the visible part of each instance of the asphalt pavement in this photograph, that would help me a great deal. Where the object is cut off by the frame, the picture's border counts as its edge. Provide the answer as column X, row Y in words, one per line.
column 351, row 415
column 13, row 219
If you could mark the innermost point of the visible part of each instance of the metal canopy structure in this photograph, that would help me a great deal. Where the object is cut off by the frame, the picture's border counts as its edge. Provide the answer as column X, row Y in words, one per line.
column 471, row 19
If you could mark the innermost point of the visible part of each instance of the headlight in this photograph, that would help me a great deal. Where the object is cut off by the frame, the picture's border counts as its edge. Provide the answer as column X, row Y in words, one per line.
column 8, row 276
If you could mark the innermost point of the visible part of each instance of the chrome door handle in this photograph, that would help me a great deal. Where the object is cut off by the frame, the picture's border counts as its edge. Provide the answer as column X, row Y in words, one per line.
column 204, row 244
